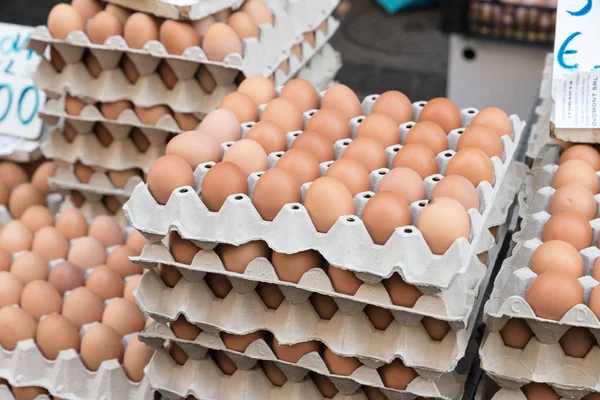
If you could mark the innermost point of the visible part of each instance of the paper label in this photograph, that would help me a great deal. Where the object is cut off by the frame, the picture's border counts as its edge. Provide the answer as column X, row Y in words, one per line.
column 20, row 100
column 576, row 71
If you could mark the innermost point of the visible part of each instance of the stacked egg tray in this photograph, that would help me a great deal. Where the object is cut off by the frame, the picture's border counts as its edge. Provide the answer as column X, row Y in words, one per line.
column 261, row 56
column 6, row 394
column 543, row 359
column 451, row 283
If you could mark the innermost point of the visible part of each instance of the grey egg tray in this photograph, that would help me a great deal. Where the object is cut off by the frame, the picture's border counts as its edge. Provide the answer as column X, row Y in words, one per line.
column 261, row 56
column 6, row 394
column 347, row 244
column 185, row 10
column 453, row 305
column 508, row 297
column 204, row 380
column 321, row 69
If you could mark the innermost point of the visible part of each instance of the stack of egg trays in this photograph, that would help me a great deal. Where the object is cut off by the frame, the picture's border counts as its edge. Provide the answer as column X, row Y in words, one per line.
column 261, row 56
column 67, row 376
column 451, row 283
column 543, row 359
column 6, row 394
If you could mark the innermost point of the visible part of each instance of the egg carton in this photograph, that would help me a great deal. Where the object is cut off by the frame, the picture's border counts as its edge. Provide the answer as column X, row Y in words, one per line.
column 517, row 394
column 414, row 260
column 119, row 156
column 347, row 335
column 508, row 297
column 319, row 71
column 68, row 377
column 509, row 189
column 179, row 9
column 6, row 394
column 261, row 56
column 538, row 362
column 92, row 209
column 204, row 380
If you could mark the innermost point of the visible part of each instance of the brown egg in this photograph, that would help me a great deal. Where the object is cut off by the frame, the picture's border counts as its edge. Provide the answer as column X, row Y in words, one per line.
column 56, row 333
column 65, row 276
column 167, row 174
column 195, row 147
column 10, row 289
column 273, row 191
column 129, row 70
column 284, row 114
column 221, row 181
column 574, row 197
column 315, row 143
column 201, row 26
column 539, row 391
column 82, row 306
column 243, row 25
column 184, row 329
column 74, row 105
column 576, row 171
column 258, row 88
column 435, row 328
column 28, row 393
column 64, row 19
column 40, row 298
column 383, row 213
column 178, row 355
column 114, row 109
column 351, row 173
column 324, row 385
column 258, row 11
column 473, row 164
column 368, row 152
column 29, row 267
column 121, row 13
column 137, row 355
column 218, row 284
column 342, row 98
column 343, row 281
column 324, row 306
column 294, row 352
column 15, row 237
column 428, row 133
column 36, row 217
column 5, row 261
column 380, row 127
column 516, row 333
column 594, row 303
column 340, row 365
column 417, row 157
column 87, row 8
column 100, row 343
column 133, row 282
column 237, row 258
column 56, row 59
column 405, row 182
column 395, row 105
column 104, row 25
column 400, row 292
column 240, row 343
column 373, row 393
column 4, row 193
column 186, row 121
column 105, row 282
column 82, row 172
column 330, row 123
column 207, row 81
column 379, row 317
column 273, row 373
column 301, row 163
column 17, row 325
column 244, row 108
column 222, row 124
column 139, row 29
column 118, row 259
column 304, row 96
column 291, row 267
column 592, row 396
column 268, row 135
column 582, row 152
column 577, row 342
column 442, row 222
column 41, row 175
column 396, row 375
column 72, row 224
column 22, row 197
column 458, row 188
column 86, row 252
column 496, row 119
column 270, row 295
column 483, row 138
column 309, row 37
column 248, row 155
column 552, row 294
column 219, row 41
column 182, row 250
column 569, row 226
column 151, row 115
column 443, row 112
column 169, row 275
column 12, row 174
column 225, row 364
column 326, row 200
column 77, row 198
column 177, row 36
column 123, row 316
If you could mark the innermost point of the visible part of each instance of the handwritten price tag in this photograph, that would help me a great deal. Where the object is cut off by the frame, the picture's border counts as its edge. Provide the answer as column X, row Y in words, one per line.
column 19, row 99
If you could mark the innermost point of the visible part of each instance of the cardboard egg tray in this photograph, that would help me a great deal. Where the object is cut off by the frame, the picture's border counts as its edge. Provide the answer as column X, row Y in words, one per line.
column 540, row 131
column 261, row 56
column 92, row 209
column 6, row 394
column 203, row 379
column 345, row 244
column 179, row 9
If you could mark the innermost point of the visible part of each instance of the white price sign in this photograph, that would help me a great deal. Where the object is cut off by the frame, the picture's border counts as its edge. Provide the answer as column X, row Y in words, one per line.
column 19, row 98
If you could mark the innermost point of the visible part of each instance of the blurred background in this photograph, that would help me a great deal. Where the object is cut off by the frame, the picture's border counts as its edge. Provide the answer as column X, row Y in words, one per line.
column 484, row 52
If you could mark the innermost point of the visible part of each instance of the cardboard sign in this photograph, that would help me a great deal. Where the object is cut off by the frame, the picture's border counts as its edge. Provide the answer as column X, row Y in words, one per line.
column 19, row 98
